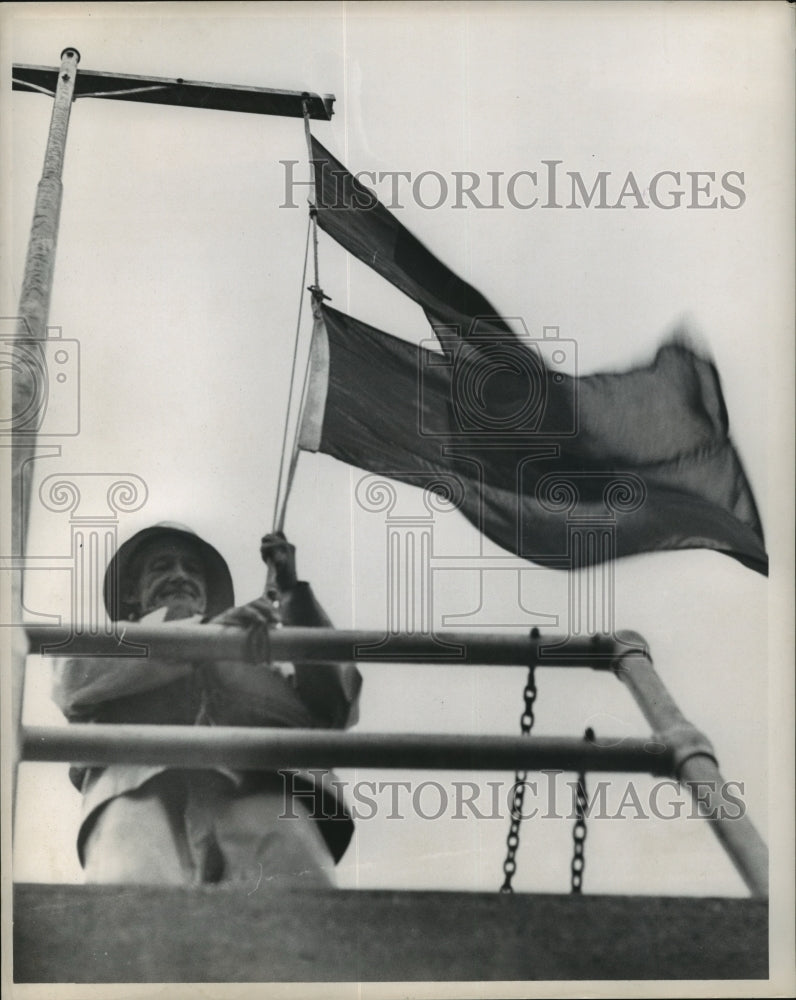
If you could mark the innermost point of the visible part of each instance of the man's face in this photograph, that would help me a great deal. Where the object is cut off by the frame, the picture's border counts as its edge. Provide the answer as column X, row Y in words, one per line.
column 170, row 574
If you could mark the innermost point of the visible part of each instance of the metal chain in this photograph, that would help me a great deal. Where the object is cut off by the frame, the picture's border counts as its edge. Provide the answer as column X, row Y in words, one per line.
column 518, row 789
column 579, row 830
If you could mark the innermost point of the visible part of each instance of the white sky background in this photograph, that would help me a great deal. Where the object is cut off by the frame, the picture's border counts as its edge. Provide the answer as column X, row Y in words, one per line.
column 179, row 274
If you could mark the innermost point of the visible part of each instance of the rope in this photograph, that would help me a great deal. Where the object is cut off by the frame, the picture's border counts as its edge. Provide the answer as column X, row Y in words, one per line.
column 295, row 452
column 124, row 93
column 280, row 508
column 32, row 86
column 279, row 525
column 96, row 93
column 279, row 511
column 316, row 286
column 305, row 107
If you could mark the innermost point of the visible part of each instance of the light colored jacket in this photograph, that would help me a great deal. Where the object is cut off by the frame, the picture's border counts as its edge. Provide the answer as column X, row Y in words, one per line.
column 146, row 691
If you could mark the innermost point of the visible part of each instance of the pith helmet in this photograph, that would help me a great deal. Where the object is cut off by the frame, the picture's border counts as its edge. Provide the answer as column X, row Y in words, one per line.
column 220, row 592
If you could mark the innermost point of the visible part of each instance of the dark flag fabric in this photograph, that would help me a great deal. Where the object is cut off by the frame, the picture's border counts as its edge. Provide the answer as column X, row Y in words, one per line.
column 353, row 216
column 532, row 447
column 526, row 449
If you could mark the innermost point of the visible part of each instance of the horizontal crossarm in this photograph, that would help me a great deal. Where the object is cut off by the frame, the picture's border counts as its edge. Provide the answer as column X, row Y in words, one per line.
column 182, row 93
column 245, row 748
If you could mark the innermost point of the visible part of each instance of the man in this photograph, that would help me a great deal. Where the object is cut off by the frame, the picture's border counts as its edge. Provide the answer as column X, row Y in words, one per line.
column 158, row 825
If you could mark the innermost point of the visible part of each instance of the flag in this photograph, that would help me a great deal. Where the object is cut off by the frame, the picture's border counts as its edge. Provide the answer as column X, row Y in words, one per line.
column 658, row 433
column 532, row 446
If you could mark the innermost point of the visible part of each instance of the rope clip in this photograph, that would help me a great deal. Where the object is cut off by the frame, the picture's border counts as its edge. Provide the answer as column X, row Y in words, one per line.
column 318, row 293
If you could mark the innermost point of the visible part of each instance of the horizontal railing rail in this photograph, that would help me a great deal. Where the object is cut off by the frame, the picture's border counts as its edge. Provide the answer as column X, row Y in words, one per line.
column 223, row 642
column 676, row 748
column 246, row 748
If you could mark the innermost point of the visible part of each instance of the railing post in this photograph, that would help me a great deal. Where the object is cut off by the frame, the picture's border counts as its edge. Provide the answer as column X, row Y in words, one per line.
column 695, row 766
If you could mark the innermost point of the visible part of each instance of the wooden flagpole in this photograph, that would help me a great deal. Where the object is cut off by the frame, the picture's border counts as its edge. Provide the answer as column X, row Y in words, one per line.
column 34, row 303
column 29, row 369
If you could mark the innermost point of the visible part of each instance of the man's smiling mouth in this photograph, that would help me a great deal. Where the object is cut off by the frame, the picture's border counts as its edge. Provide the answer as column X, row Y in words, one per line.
column 177, row 590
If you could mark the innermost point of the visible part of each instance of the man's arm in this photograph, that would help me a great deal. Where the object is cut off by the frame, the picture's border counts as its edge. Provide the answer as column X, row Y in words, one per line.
column 79, row 684
column 329, row 690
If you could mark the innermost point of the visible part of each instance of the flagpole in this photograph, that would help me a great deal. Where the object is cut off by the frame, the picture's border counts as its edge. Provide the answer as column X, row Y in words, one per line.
column 34, row 303
column 29, row 380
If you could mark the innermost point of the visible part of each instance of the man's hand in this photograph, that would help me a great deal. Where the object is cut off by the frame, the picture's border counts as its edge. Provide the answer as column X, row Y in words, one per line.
column 280, row 557
column 259, row 612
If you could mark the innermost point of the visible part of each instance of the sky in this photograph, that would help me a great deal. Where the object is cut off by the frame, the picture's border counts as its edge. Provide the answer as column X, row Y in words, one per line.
column 179, row 274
